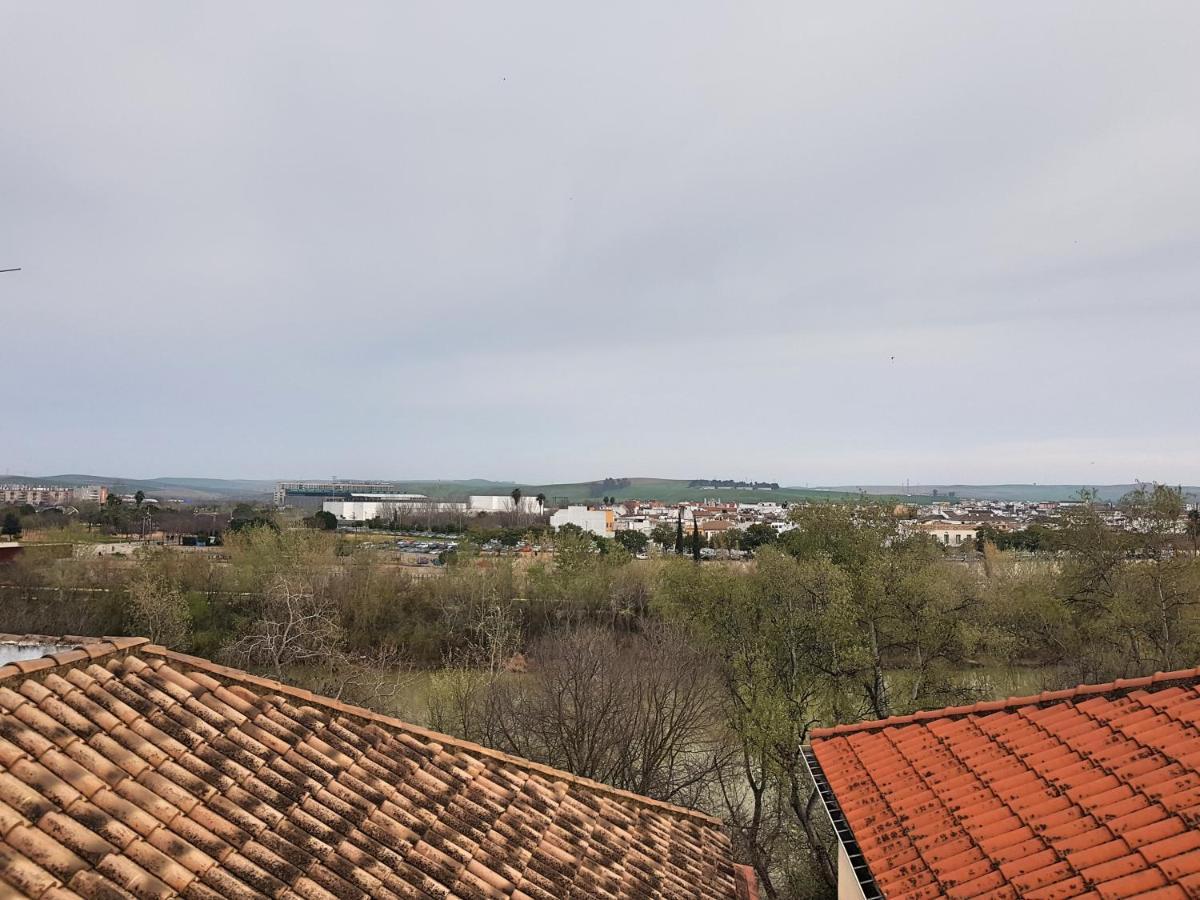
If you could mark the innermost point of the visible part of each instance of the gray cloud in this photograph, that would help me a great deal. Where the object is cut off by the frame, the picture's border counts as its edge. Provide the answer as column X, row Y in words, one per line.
column 542, row 242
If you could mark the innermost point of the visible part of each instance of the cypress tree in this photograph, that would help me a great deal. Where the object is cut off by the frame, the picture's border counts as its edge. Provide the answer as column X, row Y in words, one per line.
column 695, row 540
column 679, row 534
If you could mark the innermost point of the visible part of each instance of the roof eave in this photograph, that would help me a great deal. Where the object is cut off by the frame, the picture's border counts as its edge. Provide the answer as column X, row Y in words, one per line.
column 858, row 862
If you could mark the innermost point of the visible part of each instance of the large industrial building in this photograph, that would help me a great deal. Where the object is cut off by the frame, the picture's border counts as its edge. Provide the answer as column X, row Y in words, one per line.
column 287, row 492
column 365, row 507
column 360, row 501
column 362, row 507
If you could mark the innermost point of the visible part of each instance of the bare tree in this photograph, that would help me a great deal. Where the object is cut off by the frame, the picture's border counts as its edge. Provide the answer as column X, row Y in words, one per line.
column 295, row 625
column 372, row 679
column 158, row 609
column 639, row 712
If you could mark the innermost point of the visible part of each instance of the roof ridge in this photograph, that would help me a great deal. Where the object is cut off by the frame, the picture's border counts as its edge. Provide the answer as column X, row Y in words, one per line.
column 1158, row 679
column 239, row 675
column 90, row 649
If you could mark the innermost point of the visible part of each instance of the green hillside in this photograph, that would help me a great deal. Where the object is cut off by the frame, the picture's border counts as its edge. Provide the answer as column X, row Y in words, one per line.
column 666, row 489
column 193, row 489
column 1027, row 492
column 669, row 490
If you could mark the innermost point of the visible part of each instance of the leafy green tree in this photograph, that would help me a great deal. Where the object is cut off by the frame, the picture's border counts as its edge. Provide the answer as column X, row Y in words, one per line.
column 1115, row 599
column 324, row 520
column 139, row 498
column 909, row 607
column 246, row 516
column 633, row 541
column 1161, row 583
column 758, row 535
column 12, row 526
column 574, row 551
column 516, row 499
column 1032, row 539
column 775, row 633
column 663, row 535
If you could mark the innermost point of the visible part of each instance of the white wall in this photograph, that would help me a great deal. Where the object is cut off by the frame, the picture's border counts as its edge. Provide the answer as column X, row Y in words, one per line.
column 501, row 503
column 595, row 521
column 636, row 523
column 352, row 510
column 365, row 510
column 848, row 886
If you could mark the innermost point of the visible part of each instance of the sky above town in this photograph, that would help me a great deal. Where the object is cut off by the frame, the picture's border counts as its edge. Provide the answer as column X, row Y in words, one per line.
column 811, row 243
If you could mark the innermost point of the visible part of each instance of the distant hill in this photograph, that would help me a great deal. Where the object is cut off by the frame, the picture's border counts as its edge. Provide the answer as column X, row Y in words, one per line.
column 193, row 489
column 1028, row 492
column 669, row 490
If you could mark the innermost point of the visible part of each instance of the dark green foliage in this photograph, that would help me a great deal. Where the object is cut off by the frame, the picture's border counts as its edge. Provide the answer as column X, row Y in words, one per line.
column 633, row 541
column 663, row 535
column 322, row 521
column 12, row 526
column 246, row 517
column 758, row 535
column 1031, row 540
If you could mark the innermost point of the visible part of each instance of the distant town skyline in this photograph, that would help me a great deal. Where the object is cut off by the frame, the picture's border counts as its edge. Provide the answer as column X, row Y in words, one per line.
column 812, row 244
column 643, row 487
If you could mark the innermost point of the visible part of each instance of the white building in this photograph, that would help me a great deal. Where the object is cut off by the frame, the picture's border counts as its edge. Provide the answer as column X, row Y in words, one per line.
column 593, row 521
column 644, row 524
column 353, row 510
column 948, row 532
column 394, row 498
column 50, row 495
column 502, row 503
column 396, row 505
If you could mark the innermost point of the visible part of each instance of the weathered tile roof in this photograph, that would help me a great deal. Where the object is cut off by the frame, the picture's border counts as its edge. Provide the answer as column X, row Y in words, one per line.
column 1090, row 792
column 130, row 770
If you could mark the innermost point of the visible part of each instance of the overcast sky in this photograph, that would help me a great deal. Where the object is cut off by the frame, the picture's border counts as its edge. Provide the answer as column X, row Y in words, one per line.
column 810, row 243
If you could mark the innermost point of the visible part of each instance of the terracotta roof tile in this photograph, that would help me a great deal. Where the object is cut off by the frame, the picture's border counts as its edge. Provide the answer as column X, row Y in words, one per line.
column 1093, row 791
column 127, row 770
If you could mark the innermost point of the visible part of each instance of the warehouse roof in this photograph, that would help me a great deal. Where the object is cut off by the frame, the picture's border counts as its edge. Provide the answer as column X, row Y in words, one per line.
column 130, row 770
column 1089, row 792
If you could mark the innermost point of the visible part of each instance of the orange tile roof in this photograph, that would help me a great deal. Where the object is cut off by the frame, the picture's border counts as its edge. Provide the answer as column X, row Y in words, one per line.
column 130, row 770
column 1089, row 792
